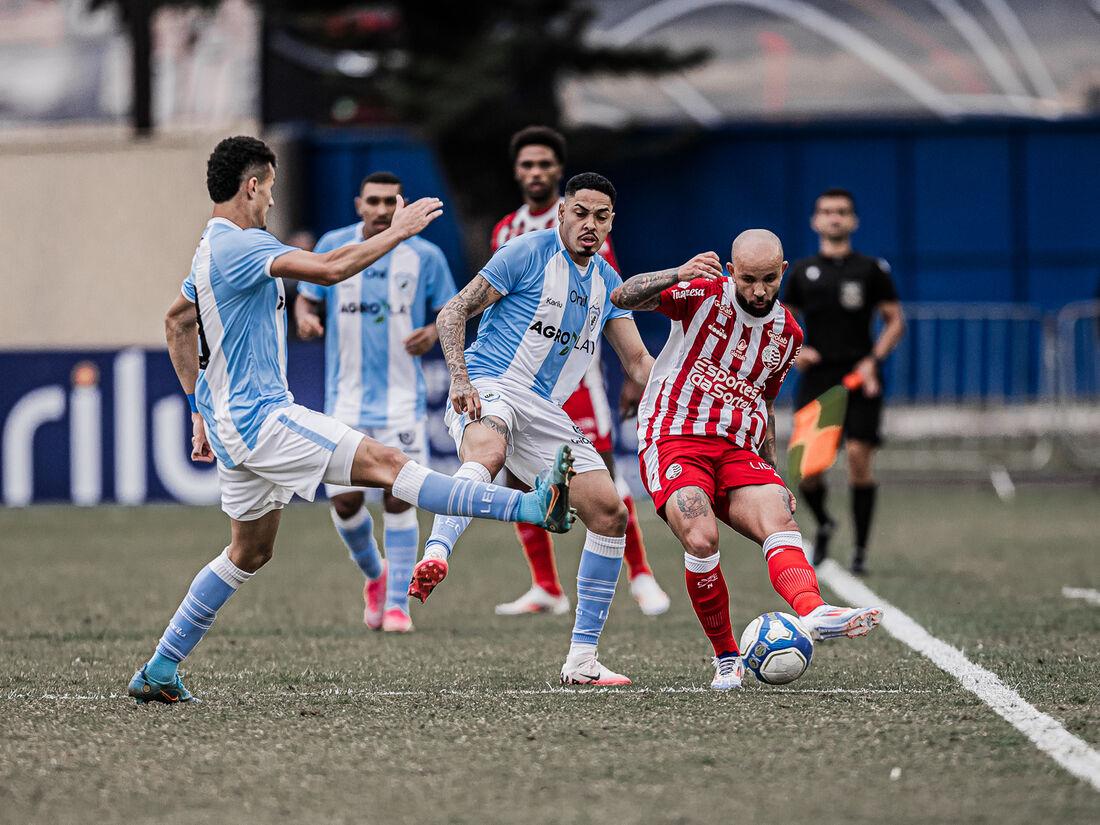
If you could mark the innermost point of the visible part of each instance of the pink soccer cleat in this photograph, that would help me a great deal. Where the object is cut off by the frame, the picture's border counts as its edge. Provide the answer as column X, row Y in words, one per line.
column 396, row 620
column 374, row 595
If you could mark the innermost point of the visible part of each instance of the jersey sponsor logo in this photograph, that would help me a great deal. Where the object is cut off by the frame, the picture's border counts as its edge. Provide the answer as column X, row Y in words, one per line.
column 578, row 298
column 568, row 340
column 813, row 272
column 280, row 303
column 724, row 308
column 366, row 307
column 694, row 292
column 763, row 466
column 554, row 302
column 716, row 382
column 673, row 472
column 851, row 294
column 742, row 345
column 373, row 273
column 714, row 329
column 406, row 437
column 771, row 356
column 777, row 339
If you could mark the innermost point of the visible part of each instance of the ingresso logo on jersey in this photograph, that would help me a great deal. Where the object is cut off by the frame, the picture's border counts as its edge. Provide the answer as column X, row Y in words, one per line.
column 568, row 340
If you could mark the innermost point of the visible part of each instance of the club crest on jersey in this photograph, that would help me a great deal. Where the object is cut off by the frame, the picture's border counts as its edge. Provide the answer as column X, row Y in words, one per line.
column 674, row 471
column 851, row 295
column 813, row 272
column 770, row 356
column 594, row 316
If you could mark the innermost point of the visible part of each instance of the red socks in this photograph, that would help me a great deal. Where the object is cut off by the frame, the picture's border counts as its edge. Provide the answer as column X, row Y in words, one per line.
column 707, row 589
column 792, row 576
column 539, row 549
column 636, row 563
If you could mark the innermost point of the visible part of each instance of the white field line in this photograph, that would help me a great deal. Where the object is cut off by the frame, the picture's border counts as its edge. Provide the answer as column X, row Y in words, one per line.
column 1072, row 753
column 382, row 694
column 1089, row 594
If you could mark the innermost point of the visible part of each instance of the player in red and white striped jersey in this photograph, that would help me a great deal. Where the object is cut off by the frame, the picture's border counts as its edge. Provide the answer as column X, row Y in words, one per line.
column 706, row 433
column 538, row 159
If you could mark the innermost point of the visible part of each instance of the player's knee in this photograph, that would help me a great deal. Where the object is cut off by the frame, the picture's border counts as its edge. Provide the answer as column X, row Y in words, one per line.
column 251, row 557
column 701, row 541
column 608, row 519
column 390, row 504
column 346, row 506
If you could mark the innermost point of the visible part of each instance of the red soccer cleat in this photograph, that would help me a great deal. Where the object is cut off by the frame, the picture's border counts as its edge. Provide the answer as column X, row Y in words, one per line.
column 426, row 575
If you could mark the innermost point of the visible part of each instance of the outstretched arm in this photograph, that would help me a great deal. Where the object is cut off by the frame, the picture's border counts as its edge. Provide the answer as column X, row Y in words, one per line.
column 644, row 291
column 451, row 326
column 624, row 337
column 340, row 264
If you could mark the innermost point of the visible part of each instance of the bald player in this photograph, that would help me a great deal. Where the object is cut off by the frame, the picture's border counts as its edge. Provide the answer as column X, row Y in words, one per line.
column 706, row 434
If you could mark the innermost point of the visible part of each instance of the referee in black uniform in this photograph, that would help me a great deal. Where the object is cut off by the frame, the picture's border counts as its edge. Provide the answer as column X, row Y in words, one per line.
column 837, row 292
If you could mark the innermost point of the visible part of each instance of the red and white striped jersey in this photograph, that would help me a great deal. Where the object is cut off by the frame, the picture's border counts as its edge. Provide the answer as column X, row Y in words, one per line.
column 717, row 367
column 524, row 220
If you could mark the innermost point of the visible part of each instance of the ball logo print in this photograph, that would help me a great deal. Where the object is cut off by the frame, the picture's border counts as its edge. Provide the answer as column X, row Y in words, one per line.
column 776, row 648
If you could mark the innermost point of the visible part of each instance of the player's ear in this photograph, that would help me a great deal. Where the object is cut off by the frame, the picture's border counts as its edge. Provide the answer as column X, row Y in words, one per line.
column 783, row 270
column 729, row 268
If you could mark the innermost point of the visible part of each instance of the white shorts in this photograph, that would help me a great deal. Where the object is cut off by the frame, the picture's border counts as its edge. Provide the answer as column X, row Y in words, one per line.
column 536, row 428
column 411, row 439
column 297, row 448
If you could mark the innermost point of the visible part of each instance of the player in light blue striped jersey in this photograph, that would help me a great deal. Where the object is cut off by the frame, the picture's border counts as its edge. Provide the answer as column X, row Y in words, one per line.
column 376, row 329
column 227, row 339
column 546, row 299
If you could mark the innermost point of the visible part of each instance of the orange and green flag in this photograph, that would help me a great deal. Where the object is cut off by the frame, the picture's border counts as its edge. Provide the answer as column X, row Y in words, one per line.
column 816, row 436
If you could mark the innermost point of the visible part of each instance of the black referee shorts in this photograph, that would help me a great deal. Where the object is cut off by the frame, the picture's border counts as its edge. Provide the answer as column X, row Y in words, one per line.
column 863, row 419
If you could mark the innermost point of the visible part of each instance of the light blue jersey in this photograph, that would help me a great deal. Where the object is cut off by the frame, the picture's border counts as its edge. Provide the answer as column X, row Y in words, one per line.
column 543, row 333
column 370, row 381
column 242, row 326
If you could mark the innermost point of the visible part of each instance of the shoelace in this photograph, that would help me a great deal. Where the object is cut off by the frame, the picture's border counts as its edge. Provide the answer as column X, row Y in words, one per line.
column 727, row 666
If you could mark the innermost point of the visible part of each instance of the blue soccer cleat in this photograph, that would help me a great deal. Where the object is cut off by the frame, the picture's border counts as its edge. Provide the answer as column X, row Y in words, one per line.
column 547, row 506
column 145, row 689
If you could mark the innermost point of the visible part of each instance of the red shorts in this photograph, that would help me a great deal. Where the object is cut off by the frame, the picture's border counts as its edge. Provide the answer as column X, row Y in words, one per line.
column 715, row 465
column 590, row 411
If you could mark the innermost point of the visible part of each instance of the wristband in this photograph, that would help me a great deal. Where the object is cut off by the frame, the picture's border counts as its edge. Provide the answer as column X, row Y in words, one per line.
column 191, row 401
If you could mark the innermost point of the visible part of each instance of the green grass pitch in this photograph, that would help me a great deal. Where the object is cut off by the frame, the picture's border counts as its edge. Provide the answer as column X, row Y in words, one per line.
column 308, row 717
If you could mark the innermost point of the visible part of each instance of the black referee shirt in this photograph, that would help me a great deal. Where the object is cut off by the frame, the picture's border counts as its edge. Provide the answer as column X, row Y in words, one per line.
column 837, row 298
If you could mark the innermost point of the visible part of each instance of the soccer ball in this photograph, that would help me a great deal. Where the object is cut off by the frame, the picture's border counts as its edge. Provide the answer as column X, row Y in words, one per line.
column 776, row 648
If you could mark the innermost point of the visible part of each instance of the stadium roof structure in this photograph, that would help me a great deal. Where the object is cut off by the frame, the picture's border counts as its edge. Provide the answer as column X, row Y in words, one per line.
column 794, row 59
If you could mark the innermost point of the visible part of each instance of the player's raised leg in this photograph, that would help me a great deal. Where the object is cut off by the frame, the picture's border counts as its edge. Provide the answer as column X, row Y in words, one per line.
column 252, row 545
column 762, row 513
column 603, row 513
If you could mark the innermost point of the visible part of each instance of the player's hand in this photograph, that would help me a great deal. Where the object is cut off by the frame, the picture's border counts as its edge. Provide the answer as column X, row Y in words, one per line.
column 465, row 397
column 411, row 218
column 869, row 373
column 309, row 326
column 705, row 265
column 421, row 340
column 807, row 357
column 200, row 447
column 629, row 397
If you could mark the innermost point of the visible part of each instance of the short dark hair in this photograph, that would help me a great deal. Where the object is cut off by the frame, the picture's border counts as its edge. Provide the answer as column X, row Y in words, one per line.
column 234, row 160
column 837, row 192
column 590, row 180
column 382, row 177
column 538, row 136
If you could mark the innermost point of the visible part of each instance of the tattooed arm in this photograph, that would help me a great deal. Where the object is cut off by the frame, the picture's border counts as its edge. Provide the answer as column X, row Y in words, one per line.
column 767, row 451
column 451, row 325
column 644, row 291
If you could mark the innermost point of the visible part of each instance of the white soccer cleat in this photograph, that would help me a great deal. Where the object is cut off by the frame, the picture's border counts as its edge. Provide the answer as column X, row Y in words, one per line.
column 829, row 622
column 651, row 598
column 728, row 672
column 535, row 600
column 590, row 672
